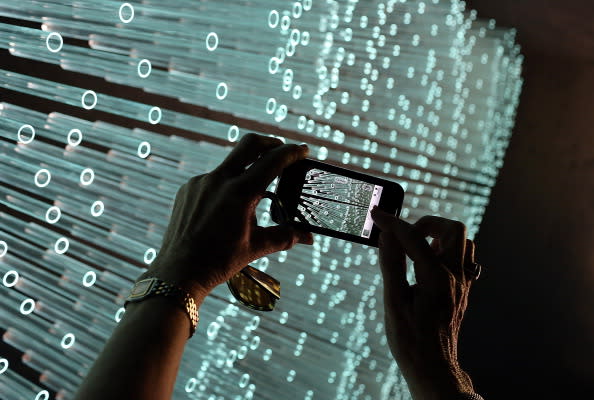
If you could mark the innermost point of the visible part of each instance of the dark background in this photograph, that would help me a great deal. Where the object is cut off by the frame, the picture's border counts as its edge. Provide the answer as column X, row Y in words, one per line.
column 529, row 331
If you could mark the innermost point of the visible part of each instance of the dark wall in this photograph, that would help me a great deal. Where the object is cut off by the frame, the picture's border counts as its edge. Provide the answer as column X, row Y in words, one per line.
column 530, row 326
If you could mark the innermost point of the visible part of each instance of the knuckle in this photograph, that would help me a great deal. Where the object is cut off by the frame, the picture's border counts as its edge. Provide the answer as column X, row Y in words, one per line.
column 204, row 180
column 293, row 147
column 180, row 192
column 250, row 138
column 195, row 180
column 459, row 228
column 469, row 244
column 424, row 220
column 288, row 245
column 293, row 150
column 216, row 174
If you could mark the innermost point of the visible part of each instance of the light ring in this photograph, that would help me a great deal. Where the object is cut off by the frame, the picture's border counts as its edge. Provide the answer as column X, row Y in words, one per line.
column 42, row 395
column 30, row 304
column 119, row 313
column 89, row 279
column 126, row 20
column 144, row 149
column 150, row 255
column 285, row 23
column 322, row 153
column 222, row 91
column 281, row 113
column 297, row 9
column 83, row 180
column 214, row 38
column 3, row 365
column 14, row 281
column 273, row 19
column 150, row 68
column 64, row 249
column 273, row 65
column 152, row 120
column 98, row 204
column 74, row 143
column 233, row 133
column 20, row 132
column 295, row 37
column 270, row 105
column 49, row 211
column 54, row 35
column 68, row 341
column 301, row 122
column 38, row 174
column 84, row 103
column 191, row 385
column 305, row 38
column 3, row 248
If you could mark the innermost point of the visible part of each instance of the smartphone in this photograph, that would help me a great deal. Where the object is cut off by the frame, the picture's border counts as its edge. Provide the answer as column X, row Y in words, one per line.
column 334, row 201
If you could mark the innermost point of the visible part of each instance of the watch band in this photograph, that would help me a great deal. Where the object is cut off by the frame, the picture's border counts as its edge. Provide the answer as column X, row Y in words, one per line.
column 471, row 396
column 150, row 287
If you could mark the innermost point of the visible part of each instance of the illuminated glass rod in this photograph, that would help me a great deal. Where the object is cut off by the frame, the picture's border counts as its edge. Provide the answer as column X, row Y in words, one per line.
column 420, row 92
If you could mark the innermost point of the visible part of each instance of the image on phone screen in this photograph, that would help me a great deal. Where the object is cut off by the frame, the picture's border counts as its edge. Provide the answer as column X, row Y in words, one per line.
column 338, row 202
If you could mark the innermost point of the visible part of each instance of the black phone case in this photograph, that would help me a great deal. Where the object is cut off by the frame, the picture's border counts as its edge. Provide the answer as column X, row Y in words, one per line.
column 290, row 185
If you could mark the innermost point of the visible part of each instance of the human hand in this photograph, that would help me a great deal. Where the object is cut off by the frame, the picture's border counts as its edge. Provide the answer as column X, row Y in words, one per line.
column 213, row 232
column 423, row 321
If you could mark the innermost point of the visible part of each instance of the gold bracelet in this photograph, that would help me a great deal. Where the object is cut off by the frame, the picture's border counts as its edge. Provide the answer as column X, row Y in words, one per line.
column 150, row 287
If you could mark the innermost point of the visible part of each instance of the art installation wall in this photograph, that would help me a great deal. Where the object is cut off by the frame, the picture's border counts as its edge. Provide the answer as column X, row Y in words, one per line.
column 420, row 92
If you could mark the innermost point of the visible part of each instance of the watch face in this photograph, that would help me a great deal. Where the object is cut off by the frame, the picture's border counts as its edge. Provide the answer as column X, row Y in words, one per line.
column 141, row 288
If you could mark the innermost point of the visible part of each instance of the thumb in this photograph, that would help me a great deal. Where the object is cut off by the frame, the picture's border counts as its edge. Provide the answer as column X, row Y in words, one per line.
column 276, row 238
column 384, row 221
column 393, row 265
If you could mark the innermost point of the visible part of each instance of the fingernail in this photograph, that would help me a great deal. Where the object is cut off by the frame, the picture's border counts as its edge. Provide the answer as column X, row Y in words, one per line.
column 304, row 145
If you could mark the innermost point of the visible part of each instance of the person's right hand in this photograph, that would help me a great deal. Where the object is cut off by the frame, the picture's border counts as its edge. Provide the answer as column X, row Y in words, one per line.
column 423, row 320
column 213, row 232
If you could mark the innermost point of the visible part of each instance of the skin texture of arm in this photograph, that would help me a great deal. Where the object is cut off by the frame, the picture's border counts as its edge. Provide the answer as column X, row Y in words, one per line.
column 212, row 234
column 142, row 357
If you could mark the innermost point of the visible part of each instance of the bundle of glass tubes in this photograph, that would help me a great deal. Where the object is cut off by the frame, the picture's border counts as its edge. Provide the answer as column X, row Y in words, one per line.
column 420, row 92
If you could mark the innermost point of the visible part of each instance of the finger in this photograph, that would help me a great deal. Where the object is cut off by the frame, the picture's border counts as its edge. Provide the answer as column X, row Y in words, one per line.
column 469, row 260
column 435, row 245
column 270, row 165
column 247, row 151
column 427, row 265
column 385, row 221
column 452, row 240
column 276, row 238
column 393, row 265
column 305, row 237
column 469, row 252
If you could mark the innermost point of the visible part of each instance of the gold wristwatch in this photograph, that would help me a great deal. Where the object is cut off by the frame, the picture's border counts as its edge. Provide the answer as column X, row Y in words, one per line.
column 149, row 287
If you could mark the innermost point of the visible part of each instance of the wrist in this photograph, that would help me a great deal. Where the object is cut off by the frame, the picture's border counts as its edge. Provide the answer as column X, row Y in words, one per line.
column 446, row 384
column 175, row 273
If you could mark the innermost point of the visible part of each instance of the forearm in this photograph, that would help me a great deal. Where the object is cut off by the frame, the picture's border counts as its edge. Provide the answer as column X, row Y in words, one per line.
column 440, row 384
column 142, row 357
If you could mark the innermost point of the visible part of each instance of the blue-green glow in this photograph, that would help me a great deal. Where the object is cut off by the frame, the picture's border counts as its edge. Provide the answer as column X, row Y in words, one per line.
column 420, row 92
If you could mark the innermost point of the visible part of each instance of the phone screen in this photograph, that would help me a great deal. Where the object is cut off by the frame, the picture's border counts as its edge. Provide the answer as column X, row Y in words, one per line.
column 338, row 202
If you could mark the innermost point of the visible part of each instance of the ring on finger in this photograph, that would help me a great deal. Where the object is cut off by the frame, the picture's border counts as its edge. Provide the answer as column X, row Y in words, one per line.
column 474, row 270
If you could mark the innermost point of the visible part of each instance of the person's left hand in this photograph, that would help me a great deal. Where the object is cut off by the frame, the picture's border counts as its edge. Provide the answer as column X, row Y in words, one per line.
column 213, row 232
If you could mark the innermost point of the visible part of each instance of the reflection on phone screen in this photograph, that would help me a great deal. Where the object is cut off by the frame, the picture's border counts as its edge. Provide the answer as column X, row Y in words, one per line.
column 338, row 202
